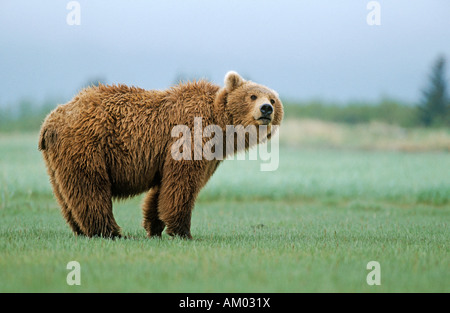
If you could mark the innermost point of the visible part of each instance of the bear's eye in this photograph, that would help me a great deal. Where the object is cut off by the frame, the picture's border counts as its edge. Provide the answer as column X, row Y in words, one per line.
column 253, row 97
column 272, row 101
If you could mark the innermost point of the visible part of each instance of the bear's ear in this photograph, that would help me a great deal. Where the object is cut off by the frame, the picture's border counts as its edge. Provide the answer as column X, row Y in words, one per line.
column 233, row 80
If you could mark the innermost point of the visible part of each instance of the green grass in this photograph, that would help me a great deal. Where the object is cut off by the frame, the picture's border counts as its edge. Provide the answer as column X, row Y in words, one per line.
column 311, row 226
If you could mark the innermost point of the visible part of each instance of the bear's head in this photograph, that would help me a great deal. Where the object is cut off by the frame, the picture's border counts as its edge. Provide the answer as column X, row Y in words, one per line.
column 248, row 103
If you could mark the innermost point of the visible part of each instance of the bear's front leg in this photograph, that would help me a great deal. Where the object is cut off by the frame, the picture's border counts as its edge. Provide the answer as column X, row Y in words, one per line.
column 181, row 183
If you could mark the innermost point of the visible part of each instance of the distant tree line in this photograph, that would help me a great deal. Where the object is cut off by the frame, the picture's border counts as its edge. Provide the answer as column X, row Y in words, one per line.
column 28, row 115
column 433, row 109
column 24, row 116
column 387, row 110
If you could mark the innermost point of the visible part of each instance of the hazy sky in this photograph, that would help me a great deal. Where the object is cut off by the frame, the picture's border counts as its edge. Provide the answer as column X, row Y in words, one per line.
column 303, row 49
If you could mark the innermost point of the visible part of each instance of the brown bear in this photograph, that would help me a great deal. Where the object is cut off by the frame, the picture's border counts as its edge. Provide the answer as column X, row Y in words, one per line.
column 117, row 141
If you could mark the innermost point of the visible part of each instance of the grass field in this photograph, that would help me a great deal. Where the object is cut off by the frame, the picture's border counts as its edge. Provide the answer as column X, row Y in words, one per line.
column 311, row 226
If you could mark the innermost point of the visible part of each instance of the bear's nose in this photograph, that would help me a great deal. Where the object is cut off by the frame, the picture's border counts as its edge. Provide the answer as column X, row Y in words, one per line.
column 266, row 109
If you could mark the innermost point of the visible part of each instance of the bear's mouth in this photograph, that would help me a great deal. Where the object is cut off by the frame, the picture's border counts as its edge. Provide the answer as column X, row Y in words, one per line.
column 265, row 120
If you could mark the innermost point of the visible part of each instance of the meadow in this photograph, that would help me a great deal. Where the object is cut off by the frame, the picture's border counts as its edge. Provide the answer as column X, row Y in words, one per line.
column 333, row 205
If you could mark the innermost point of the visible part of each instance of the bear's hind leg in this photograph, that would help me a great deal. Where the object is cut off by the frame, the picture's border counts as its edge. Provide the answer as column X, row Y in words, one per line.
column 152, row 224
column 63, row 204
column 90, row 202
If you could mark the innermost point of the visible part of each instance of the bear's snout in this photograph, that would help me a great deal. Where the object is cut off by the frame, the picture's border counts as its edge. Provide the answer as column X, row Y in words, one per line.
column 266, row 109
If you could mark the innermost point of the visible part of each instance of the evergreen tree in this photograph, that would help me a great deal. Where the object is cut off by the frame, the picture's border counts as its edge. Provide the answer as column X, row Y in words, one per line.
column 434, row 106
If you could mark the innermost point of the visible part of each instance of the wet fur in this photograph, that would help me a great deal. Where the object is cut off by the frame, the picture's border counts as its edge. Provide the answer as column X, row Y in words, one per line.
column 114, row 142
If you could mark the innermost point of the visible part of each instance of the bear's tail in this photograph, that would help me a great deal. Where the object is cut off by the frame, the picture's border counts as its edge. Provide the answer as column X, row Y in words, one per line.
column 46, row 138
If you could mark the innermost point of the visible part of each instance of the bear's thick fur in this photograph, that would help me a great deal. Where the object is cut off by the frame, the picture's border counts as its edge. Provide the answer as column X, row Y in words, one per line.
column 115, row 142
